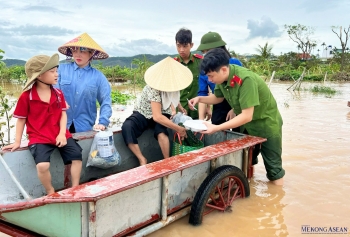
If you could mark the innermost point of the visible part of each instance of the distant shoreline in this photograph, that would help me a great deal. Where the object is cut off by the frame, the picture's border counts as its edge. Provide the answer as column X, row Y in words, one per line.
column 111, row 61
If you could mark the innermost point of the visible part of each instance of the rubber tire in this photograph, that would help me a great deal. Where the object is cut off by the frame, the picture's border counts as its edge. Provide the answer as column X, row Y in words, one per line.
column 201, row 198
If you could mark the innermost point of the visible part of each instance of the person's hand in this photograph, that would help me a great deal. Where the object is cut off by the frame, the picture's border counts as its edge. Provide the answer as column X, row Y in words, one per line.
column 182, row 109
column 99, row 127
column 182, row 132
column 208, row 113
column 211, row 128
column 192, row 102
column 230, row 115
column 67, row 105
column 14, row 146
column 61, row 140
column 173, row 111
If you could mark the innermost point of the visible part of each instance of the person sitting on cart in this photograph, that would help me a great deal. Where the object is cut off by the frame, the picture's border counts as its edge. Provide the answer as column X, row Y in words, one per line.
column 164, row 81
column 42, row 109
column 252, row 101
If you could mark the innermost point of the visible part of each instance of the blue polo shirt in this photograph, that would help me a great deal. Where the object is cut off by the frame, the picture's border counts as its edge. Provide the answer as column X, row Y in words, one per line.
column 82, row 88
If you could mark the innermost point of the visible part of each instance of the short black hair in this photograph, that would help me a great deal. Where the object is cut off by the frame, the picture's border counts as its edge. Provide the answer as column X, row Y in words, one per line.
column 224, row 48
column 214, row 60
column 183, row 36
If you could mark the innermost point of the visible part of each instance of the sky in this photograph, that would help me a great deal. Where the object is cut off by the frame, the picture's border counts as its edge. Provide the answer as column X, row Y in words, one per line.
column 128, row 28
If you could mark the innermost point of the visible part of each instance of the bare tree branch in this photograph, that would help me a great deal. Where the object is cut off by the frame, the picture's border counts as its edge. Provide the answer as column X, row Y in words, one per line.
column 343, row 43
column 301, row 35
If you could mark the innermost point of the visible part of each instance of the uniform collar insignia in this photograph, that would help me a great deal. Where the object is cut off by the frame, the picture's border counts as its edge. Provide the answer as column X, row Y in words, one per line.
column 198, row 56
column 235, row 79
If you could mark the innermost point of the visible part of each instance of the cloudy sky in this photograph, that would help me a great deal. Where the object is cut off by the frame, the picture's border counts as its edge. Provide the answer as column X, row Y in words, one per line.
column 127, row 28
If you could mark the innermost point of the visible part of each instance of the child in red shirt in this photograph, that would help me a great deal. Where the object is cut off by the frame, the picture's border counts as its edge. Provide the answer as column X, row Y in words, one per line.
column 42, row 109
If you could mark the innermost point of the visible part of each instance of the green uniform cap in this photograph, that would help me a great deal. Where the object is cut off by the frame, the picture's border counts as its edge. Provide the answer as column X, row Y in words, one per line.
column 211, row 40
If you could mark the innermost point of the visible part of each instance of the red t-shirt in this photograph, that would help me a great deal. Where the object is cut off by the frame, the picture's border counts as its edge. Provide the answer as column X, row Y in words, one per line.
column 42, row 118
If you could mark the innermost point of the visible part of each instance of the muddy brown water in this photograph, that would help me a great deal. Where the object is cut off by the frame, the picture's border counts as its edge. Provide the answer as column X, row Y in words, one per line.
column 316, row 157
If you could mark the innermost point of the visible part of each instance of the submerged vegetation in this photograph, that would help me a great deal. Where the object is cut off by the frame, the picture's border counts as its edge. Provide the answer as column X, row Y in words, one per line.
column 323, row 89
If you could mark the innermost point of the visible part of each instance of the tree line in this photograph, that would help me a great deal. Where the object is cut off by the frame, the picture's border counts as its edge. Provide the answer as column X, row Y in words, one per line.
column 287, row 66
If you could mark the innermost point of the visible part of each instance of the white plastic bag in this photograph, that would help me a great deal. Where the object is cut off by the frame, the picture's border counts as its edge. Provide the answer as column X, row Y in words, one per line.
column 180, row 118
column 103, row 153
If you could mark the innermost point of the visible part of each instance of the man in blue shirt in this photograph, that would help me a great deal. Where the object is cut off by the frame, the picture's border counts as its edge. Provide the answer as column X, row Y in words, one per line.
column 83, row 85
column 221, row 111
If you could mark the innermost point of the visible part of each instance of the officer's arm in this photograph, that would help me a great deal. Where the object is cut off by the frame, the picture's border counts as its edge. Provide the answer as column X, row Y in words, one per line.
column 245, row 117
column 210, row 99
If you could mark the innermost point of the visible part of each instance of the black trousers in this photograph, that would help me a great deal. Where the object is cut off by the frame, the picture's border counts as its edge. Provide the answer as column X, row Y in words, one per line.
column 220, row 112
column 136, row 124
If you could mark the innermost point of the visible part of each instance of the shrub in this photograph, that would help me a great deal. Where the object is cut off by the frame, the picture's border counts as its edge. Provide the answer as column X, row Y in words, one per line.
column 120, row 98
column 313, row 77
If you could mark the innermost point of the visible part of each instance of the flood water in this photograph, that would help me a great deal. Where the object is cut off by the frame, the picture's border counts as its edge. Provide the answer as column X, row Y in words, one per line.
column 316, row 147
column 316, row 157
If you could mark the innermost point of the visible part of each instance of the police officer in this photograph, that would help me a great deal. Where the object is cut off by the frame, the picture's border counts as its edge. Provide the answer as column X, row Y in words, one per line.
column 252, row 101
column 184, row 45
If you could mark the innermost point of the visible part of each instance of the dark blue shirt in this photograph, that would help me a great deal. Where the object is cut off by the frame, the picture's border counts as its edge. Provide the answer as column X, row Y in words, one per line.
column 204, row 82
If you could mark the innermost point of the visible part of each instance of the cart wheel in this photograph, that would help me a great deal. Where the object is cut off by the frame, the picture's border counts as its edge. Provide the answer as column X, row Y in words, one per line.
column 218, row 191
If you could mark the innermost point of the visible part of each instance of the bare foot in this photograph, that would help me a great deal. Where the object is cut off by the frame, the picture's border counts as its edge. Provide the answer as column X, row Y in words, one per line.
column 278, row 181
column 50, row 191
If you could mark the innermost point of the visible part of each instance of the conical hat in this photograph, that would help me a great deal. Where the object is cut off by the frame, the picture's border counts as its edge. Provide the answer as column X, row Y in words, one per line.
column 83, row 40
column 168, row 75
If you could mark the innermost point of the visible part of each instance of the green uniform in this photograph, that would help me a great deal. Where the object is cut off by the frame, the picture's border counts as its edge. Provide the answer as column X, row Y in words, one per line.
column 192, row 90
column 245, row 89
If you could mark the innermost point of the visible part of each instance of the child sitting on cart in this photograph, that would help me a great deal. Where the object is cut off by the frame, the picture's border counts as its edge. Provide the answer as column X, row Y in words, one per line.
column 42, row 109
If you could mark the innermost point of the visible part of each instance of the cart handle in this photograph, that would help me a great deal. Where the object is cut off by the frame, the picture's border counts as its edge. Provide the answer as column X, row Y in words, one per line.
column 14, row 179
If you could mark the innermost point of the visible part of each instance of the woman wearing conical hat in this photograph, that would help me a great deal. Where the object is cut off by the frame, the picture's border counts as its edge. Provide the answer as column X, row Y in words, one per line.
column 83, row 85
column 164, row 81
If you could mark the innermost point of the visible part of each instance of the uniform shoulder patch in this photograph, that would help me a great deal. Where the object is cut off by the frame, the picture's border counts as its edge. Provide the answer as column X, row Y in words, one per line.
column 235, row 79
column 198, row 56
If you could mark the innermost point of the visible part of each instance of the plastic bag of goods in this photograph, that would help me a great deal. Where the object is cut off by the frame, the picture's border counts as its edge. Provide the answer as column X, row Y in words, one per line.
column 180, row 118
column 103, row 153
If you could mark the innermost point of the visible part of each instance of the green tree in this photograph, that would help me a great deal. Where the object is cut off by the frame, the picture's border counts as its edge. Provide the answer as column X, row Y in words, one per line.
column 5, row 107
column 232, row 53
column 2, row 65
column 1, row 52
column 302, row 35
column 141, row 66
column 264, row 52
